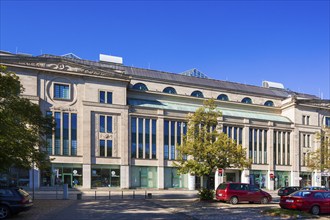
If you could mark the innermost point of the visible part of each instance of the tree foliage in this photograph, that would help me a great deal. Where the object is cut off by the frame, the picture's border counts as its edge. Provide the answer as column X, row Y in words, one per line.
column 206, row 147
column 21, row 126
column 320, row 158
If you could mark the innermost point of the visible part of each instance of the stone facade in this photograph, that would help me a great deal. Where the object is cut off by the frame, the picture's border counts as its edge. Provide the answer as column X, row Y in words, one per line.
column 278, row 138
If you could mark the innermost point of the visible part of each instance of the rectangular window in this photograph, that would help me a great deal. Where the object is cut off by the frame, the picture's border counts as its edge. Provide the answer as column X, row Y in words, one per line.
column 102, row 123
column 73, row 134
column 102, row 97
column 250, row 143
column 102, row 148
column 61, row 91
column 140, row 137
column 109, row 148
column 307, row 120
column 303, row 119
column 49, row 137
column 288, row 149
column 153, row 139
column 166, row 140
column 173, row 140
column 255, row 146
column 57, row 133
column 147, row 138
column 260, row 146
column 265, row 147
column 105, row 97
column 109, row 124
column 133, row 137
column 327, row 122
column 65, row 134
column 274, row 146
column 109, row 97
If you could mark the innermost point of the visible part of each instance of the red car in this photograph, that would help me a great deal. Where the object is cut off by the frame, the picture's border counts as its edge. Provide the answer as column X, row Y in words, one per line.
column 316, row 202
column 241, row 192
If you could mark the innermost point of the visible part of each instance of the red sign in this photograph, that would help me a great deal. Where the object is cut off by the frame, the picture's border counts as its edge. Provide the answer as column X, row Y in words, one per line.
column 271, row 176
column 220, row 171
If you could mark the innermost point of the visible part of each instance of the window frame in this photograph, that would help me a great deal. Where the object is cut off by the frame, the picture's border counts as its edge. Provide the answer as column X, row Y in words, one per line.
column 106, row 96
column 61, row 84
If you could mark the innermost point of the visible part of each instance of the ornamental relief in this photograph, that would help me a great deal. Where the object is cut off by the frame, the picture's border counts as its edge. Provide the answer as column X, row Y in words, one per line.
column 63, row 108
column 65, row 67
column 105, row 136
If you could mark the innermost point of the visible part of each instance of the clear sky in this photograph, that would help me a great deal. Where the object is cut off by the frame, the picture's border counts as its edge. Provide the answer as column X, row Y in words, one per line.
column 238, row 41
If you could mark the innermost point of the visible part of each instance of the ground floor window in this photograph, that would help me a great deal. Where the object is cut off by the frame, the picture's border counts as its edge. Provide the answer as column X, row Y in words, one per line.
column 258, row 178
column 173, row 180
column 105, row 176
column 15, row 177
column 144, row 177
column 282, row 179
column 305, row 179
column 59, row 174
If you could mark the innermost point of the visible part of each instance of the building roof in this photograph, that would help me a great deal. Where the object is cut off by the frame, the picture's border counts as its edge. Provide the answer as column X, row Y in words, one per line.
column 180, row 79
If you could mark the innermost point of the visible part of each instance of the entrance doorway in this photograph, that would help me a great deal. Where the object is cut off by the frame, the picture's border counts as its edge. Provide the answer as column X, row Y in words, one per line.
column 67, row 179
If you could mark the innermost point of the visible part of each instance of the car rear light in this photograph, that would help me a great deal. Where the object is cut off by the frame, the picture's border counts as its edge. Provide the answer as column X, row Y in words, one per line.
column 286, row 191
column 24, row 200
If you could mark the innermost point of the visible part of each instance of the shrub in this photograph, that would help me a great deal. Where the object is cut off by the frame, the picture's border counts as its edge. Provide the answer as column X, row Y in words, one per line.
column 205, row 194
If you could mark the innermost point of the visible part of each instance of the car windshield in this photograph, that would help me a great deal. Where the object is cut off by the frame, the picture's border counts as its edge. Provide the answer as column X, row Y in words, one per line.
column 301, row 193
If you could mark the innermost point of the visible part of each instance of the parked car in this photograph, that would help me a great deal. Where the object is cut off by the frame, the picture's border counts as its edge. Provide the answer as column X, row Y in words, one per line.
column 315, row 188
column 284, row 191
column 314, row 201
column 241, row 192
column 13, row 200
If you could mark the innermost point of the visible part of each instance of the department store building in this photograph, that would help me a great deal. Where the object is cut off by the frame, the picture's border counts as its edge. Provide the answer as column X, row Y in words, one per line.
column 118, row 126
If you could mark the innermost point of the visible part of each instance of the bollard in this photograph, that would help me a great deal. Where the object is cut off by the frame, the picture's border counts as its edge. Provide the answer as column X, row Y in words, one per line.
column 149, row 195
column 65, row 191
column 95, row 195
column 79, row 196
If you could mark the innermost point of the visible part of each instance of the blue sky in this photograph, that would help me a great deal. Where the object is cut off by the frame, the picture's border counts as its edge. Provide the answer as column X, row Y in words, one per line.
column 238, row 41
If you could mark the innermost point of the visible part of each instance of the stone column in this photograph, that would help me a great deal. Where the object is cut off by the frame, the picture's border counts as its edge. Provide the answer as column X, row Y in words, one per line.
column 124, row 148
column 160, row 148
column 245, row 143
column 86, row 123
column 191, row 182
column 270, row 156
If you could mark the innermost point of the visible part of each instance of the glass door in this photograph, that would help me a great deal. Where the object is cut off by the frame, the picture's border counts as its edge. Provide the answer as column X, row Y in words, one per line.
column 67, row 179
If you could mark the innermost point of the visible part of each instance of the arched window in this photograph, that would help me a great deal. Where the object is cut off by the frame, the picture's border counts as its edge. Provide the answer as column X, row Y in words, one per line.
column 223, row 97
column 247, row 100
column 197, row 94
column 269, row 103
column 140, row 86
column 169, row 90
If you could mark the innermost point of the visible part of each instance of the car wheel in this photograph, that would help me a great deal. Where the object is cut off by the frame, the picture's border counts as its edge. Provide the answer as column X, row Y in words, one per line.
column 315, row 210
column 234, row 200
column 264, row 200
column 4, row 212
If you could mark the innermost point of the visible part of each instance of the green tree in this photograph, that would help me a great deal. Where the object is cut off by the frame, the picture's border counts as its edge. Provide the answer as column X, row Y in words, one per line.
column 22, row 126
column 320, row 158
column 207, row 148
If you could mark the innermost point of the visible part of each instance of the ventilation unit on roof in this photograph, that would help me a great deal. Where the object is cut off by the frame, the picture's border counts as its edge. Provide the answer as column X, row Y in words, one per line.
column 267, row 84
column 111, row 59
